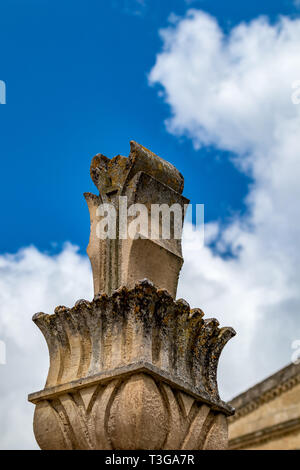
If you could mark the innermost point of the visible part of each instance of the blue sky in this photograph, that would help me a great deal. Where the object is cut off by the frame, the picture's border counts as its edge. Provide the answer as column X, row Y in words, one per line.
column 206, row 85
column 76, row 76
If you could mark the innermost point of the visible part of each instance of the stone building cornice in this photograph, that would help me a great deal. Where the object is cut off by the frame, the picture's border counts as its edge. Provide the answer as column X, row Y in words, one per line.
column 264, row 435
column 265, row 391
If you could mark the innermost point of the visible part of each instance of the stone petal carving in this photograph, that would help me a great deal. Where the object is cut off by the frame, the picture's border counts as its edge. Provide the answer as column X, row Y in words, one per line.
column 143, row 324
column 136, row 413
column 134, row 370
column 138, row 416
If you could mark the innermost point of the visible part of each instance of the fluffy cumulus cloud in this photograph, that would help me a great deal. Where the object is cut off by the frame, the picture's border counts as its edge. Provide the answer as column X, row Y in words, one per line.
column 233, row 91
column 31, row 281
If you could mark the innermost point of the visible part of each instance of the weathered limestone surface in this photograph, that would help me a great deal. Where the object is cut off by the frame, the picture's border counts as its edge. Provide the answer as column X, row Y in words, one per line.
column 143, row 360
column 144, row 178
column 134, row 368
column 137, row 413
column 268, row 414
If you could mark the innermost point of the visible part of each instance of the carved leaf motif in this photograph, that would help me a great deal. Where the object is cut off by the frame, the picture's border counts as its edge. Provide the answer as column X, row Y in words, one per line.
column 138, row 416
column 132, row 325
column 138, row 413
column 49, row 429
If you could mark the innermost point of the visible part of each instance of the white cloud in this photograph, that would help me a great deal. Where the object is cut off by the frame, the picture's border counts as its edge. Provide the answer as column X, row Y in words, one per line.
column 234, row 92
column 31, row 281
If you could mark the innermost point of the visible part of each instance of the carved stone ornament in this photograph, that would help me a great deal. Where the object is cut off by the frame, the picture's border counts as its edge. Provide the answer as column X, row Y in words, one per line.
column 134, row 368
column 142, row 178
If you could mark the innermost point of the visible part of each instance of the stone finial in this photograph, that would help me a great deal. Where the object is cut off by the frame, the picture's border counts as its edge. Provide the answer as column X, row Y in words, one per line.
column 134, row 368
column 145, row 179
